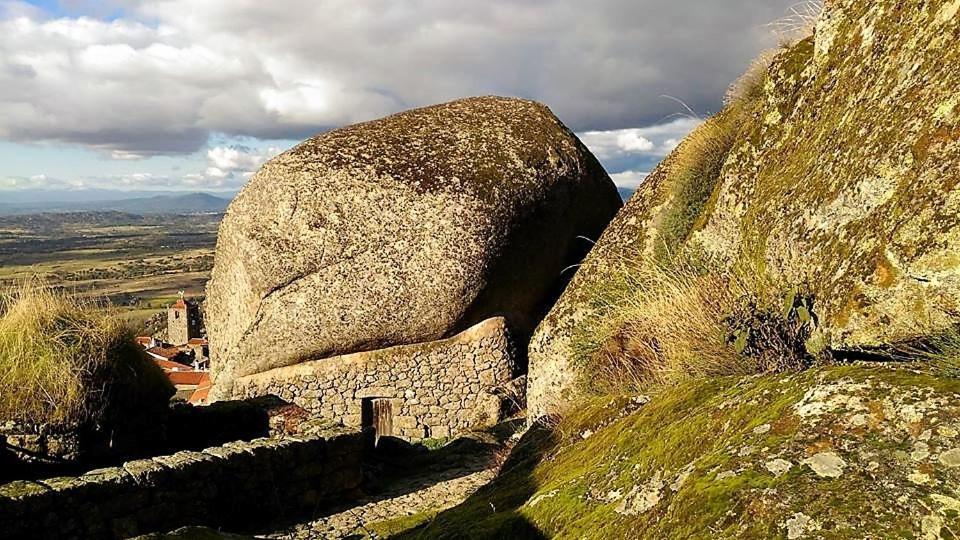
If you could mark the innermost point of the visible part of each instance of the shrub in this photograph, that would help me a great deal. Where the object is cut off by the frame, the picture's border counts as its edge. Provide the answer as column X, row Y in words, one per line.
column 64, row 362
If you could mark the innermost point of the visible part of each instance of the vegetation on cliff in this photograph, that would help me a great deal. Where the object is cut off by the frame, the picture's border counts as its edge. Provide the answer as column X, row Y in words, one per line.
column 64, row 362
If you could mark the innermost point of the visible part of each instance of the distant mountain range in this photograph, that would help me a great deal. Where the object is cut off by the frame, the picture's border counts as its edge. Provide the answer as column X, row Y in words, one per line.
column 130, row 202
column 142, row 203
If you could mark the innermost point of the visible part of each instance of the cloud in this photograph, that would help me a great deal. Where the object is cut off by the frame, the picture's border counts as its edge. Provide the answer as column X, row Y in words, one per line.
column 166, row 74
column 239, row 158
column 227, row 167
column 657, row 140
column 39, row 181
column 629, row 179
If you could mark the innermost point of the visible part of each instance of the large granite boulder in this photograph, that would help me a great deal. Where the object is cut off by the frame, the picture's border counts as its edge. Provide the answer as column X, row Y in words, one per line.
column 402, row 230
column 842, row 184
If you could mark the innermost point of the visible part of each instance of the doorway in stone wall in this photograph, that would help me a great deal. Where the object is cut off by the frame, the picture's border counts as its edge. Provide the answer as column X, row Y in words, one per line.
column 377, row 413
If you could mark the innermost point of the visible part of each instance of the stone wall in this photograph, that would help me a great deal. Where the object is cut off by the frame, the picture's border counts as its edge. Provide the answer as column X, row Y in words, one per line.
column 437, row 388
column 241, row 486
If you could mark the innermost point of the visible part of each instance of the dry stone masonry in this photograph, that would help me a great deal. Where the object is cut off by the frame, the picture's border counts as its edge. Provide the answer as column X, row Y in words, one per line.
column 435, row 389
column 240, row 485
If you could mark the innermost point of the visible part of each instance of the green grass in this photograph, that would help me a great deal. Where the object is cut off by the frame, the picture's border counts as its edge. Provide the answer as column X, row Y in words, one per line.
column 65, row 362
column 559, row 482
column 393, row 527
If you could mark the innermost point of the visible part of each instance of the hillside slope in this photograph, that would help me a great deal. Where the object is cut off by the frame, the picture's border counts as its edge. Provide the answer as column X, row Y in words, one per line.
column 832, row 177
column 845, row 452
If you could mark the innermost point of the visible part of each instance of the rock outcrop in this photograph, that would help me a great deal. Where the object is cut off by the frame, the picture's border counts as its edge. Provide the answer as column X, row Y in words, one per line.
column 860, row 451
column 842, row 183
column 402, row 230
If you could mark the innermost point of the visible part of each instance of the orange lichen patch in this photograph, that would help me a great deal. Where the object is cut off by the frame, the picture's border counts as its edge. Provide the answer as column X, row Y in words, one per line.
column 818, row 446
column 786, row 425
column 886, row 274
column 877, row 416
column 922, row 148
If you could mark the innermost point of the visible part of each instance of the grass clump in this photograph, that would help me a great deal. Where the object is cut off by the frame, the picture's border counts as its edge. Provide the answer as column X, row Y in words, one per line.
column 941, row 352
column 662, row 324
column 64, row 362
column 694, row 172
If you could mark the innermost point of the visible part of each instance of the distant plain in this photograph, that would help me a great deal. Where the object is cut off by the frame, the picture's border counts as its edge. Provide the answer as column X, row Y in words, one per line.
column 133, row 262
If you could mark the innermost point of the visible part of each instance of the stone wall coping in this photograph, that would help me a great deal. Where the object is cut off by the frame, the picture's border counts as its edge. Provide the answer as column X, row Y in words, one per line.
column 388, row 355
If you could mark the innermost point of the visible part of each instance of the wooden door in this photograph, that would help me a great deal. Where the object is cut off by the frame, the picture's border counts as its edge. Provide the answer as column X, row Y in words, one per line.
column 378, row 414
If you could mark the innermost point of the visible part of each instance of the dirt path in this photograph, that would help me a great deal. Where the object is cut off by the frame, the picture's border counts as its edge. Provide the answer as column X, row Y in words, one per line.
column 415, row 486
column 390, row 505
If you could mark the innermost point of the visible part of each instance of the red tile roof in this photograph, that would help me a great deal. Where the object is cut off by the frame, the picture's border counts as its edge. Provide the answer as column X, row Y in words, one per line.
column 188, row 378
column 167, row 365
column 165, row 352
column 197, row 341
column 179, row 304
column 202, row 393
column 144, row 340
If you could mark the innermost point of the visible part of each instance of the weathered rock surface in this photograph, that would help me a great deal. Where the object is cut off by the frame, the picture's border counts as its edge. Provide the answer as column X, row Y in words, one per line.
column 402, row 230
column 859, row 451
column 843, row 183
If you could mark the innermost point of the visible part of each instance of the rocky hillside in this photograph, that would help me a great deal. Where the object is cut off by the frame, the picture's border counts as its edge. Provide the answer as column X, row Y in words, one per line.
column 826, row 190
column 846, row 452
column 777, row 306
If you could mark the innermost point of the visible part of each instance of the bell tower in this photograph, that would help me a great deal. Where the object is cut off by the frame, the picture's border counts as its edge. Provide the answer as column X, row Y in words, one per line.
column 181, row 322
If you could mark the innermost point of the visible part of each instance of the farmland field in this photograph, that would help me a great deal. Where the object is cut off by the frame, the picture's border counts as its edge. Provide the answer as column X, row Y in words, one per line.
column 137, row 263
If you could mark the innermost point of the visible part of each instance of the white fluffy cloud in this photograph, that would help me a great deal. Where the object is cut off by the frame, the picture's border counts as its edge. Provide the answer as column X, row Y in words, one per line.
column 236, row 161
column 657, row 140
column 629, row 179
column 167, row 73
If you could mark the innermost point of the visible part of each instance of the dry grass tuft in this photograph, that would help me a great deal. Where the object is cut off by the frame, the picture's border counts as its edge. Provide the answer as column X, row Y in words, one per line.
column 797, row 26
column 749, row 86
column 695, row 170
column 64, row 362
column 665, row 324
column 941, row 351
column 800, row 23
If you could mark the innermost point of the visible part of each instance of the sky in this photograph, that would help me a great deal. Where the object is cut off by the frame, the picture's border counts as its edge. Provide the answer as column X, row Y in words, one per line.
column 197, row 94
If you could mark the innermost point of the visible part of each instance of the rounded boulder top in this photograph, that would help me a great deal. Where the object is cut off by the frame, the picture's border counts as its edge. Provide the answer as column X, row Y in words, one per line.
column 403, row 230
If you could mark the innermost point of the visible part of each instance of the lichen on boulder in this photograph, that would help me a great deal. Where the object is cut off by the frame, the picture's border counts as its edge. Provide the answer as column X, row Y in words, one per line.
column 402, row 230
column 857, row 451
column 842, row 185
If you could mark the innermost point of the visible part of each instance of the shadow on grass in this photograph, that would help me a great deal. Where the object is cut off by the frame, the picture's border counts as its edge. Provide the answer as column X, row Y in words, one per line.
column 493, row 512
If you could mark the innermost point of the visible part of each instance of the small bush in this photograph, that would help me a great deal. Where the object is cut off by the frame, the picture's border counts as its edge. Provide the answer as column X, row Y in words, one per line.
column 64, row 362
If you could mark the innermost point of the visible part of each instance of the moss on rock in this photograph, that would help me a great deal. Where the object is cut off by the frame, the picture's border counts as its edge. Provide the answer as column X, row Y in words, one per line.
column 842, row 183
column 840, row 452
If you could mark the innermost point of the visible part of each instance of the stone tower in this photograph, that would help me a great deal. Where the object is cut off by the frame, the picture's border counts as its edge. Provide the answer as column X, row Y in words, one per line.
column 182, row 322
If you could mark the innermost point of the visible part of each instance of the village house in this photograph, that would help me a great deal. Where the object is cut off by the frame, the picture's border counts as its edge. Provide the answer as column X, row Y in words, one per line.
column 185, row 356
